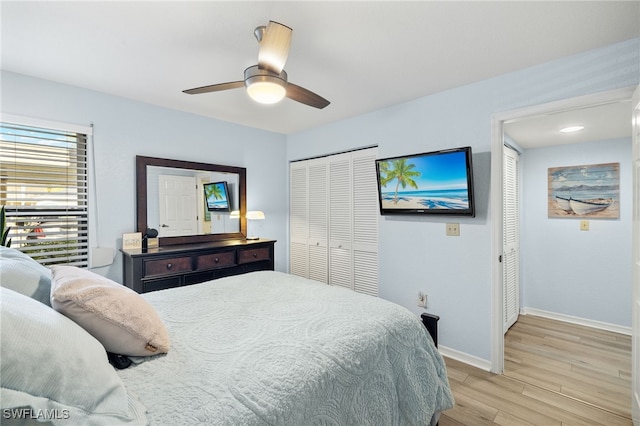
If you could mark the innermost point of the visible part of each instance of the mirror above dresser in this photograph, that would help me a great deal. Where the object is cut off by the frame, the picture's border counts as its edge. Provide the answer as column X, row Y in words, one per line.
column 166, row 188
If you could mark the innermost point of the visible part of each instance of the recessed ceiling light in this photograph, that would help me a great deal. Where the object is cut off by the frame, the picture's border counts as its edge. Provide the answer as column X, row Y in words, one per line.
column 571, row 129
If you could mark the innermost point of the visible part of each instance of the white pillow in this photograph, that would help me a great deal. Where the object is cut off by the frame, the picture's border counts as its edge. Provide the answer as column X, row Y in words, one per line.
column 117, row 316
column 53, row 366
column 21, row 273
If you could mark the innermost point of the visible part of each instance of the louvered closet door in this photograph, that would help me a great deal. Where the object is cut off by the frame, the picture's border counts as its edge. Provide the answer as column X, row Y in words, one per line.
column 365, row 222
column 511, row 238
column 298, row 220
column 340, row 211
column 317, row 243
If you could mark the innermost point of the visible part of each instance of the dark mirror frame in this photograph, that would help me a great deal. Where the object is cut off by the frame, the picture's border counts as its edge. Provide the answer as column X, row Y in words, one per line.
column 141, row 197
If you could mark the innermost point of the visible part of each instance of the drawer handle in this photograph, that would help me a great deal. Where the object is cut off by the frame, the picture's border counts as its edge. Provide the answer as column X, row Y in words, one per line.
column 255, row 255
column 216, row 260
column 169, row 266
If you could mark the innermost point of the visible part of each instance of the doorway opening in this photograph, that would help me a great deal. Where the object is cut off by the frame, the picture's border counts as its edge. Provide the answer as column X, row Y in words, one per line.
column 499, row 122
column 518, row 125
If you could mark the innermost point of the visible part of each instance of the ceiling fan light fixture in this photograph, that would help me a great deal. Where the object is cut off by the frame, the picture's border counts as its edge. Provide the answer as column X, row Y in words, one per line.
column 266, row 92
column 267, row 82
column 264, row 86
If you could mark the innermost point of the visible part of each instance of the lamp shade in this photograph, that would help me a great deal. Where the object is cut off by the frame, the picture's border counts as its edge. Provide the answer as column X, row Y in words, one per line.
column 264, row 86
column 266, row 92
column 255, row 215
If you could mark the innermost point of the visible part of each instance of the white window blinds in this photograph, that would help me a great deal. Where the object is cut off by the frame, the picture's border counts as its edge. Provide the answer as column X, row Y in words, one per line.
column 43, row 186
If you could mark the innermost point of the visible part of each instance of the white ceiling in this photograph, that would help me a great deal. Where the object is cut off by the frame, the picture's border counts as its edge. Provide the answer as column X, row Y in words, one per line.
column 601, row 122
column 362, row 56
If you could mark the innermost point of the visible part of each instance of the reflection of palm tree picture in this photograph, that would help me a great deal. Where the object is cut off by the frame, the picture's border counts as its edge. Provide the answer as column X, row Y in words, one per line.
column 398, row 170
column 214, row 191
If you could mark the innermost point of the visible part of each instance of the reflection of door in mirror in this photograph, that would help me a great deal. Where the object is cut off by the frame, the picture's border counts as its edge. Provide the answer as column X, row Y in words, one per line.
column 177, row 206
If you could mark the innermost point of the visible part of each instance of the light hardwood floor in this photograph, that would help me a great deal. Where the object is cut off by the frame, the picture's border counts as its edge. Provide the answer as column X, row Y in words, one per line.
column 555, row 374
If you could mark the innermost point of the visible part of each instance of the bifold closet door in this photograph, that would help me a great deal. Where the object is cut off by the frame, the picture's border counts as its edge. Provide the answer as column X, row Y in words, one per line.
column 317, row 238
column 365, row 222
column 334, row 220
column 308, row 219
column 298, row 220
column 340, row 218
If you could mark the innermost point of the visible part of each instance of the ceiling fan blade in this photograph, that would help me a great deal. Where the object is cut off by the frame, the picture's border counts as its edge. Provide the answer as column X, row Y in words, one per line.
column 274, row 47
column 215, row 87
column 307, row 97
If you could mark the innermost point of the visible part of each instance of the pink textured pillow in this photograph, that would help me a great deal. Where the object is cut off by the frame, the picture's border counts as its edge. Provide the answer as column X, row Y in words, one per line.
column 115, row 315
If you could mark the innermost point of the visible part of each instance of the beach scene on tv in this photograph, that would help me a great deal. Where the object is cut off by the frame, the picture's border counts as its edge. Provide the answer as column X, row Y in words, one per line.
column 216, row 196
column 424, row 182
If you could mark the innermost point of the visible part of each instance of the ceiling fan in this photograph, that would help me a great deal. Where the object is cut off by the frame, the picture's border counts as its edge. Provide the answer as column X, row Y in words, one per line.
column 267, row 82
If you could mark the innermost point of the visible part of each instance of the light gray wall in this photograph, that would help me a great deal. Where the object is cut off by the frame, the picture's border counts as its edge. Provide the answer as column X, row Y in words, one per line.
column 414, row 253
column 124, row 129
column 585, row 274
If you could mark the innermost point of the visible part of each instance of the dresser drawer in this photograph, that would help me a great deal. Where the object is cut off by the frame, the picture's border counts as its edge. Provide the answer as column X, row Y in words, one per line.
column 216, row 260
column 172, row 265
column 161, row 284
column 253, row 255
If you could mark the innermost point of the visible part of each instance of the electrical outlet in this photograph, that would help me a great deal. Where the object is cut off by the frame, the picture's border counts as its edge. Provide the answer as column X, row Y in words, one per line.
column 453, row 229
column 422, row 299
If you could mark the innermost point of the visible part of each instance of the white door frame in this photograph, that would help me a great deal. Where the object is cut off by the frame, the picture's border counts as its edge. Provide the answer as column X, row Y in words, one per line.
column 497, row 120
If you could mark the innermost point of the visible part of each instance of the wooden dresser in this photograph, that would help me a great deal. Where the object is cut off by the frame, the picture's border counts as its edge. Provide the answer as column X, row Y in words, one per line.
column 185, row 264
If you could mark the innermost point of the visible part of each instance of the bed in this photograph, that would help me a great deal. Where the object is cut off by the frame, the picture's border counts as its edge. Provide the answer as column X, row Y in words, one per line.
column 264, row 348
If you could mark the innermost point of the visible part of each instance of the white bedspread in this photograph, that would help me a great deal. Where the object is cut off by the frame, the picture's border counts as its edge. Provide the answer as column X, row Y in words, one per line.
column 272, row 348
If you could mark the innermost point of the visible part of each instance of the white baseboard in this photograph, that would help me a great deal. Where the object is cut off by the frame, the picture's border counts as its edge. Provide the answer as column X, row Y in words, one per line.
column 577, row 320
column 474, row 361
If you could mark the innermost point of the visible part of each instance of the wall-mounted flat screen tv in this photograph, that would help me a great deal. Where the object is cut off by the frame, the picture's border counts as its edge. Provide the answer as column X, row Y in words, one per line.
column 216, row 197
column 439, row 182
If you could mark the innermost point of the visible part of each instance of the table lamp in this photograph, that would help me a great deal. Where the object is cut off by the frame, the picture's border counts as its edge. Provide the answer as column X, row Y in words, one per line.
column 254, row 215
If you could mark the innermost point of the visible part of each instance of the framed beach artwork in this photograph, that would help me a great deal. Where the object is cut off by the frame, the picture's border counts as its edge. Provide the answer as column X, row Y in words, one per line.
column 589, row 191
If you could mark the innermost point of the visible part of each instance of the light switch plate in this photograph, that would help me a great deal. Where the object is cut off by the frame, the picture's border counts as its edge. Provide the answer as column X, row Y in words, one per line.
column 453, row 229
column 584, row 225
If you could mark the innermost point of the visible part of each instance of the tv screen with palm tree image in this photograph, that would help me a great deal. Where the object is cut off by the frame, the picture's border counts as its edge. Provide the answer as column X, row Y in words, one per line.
column 216, row 196
column 438, row 182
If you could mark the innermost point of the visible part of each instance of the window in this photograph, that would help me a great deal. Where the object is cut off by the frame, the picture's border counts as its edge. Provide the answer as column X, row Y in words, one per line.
column 43, row 186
